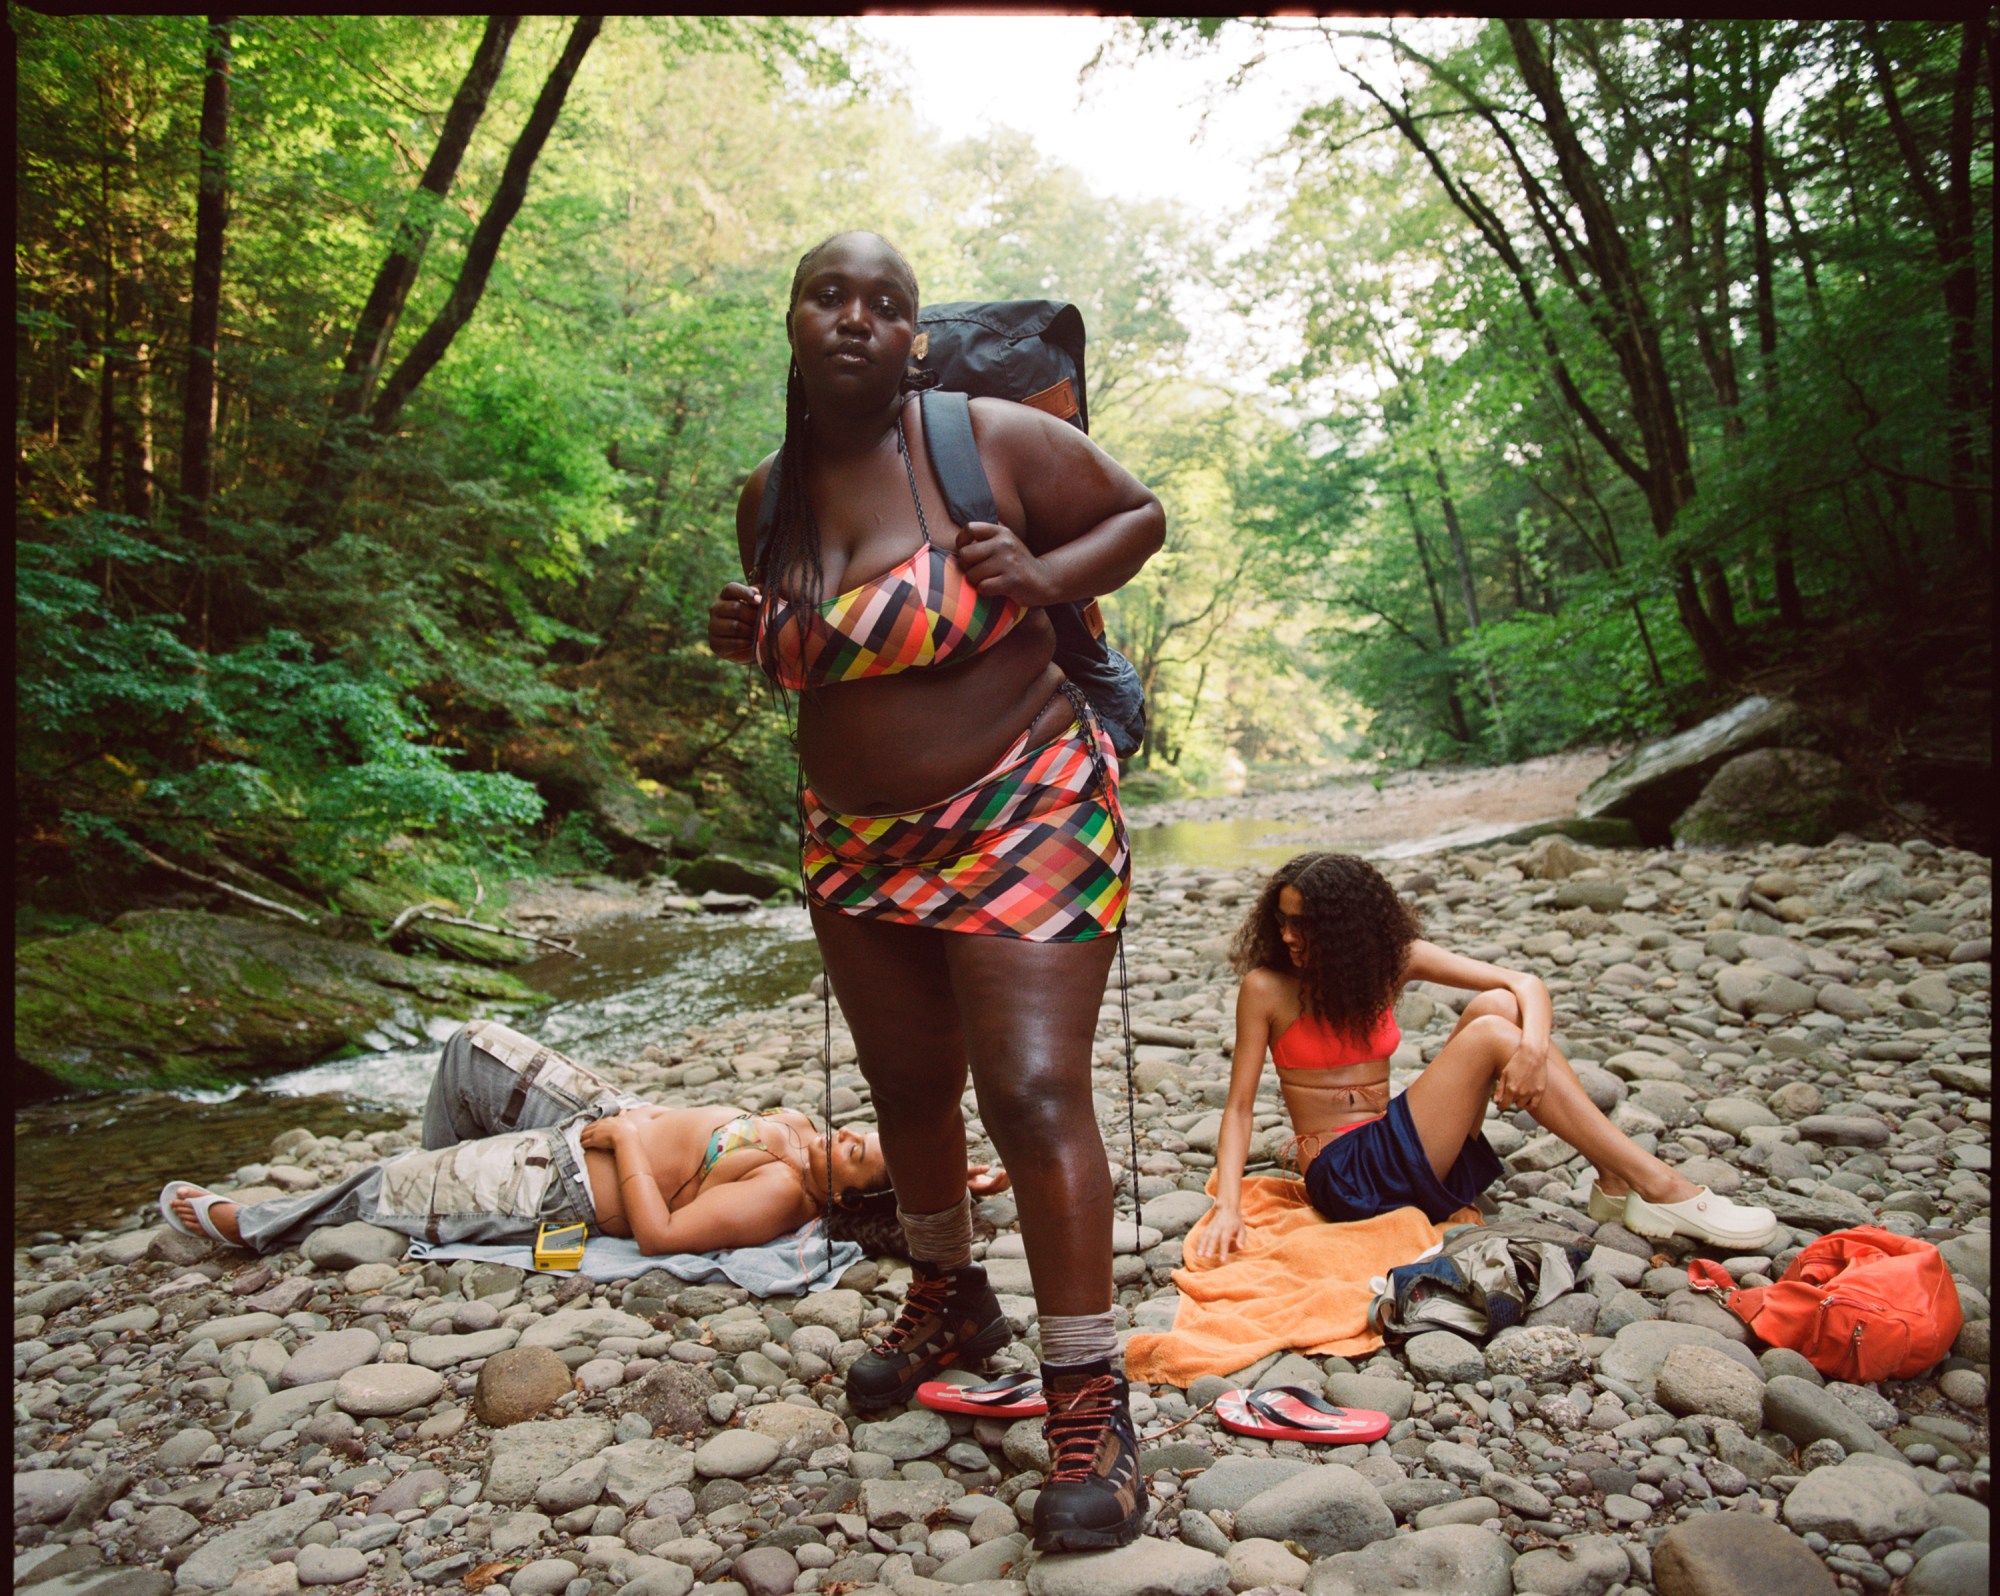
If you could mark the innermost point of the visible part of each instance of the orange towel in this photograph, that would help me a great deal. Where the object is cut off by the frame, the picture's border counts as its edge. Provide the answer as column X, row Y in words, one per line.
column 1300, row 1282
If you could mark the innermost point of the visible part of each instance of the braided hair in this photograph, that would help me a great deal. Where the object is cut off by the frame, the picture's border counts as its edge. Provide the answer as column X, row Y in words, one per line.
column 1357, row 928
column 792, row 558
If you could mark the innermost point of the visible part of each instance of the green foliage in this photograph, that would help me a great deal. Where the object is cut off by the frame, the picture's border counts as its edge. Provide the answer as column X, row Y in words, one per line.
column 1419, row 538
column 573, row 847
column 1496, row 579
column 130, row 738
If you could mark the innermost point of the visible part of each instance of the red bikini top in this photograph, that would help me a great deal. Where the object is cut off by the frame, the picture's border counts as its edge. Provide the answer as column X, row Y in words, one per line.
column 1309, row 1044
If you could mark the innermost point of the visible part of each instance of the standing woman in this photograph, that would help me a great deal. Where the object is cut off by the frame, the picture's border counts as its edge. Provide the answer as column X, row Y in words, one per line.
column 963, row 852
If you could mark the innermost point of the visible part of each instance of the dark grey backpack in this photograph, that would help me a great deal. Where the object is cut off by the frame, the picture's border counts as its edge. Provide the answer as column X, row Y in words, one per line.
column 1030, row 351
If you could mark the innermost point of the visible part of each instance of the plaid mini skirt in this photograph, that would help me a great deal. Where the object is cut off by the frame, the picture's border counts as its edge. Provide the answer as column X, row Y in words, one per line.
column 1034, row 849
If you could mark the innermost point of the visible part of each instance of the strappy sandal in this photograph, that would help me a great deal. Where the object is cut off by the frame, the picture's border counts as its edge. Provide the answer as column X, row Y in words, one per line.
column 201, row 1204
column 1292, row 1413
column 1014, row 1396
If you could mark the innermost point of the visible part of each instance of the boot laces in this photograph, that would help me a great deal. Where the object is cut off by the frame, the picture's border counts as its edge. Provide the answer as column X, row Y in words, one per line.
column 926, row 1300
column 1076, row 1426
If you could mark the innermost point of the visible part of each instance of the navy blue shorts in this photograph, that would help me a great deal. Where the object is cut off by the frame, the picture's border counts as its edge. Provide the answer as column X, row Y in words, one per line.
column 1382, row 1166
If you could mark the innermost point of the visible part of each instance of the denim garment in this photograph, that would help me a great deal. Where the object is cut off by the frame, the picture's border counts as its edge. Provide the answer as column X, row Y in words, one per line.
column 499, row 1158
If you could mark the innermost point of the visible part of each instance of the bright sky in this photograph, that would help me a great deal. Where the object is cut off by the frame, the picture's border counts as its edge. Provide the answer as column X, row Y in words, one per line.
column 1134, row 131
column 1158, row 126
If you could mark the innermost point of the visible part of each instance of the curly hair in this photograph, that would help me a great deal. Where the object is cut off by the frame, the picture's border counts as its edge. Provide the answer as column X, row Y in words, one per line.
column 1352, row 916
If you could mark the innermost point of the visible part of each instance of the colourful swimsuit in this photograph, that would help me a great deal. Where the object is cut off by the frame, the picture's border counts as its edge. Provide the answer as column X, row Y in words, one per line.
column 920, row 612
column 1034, row 849
column 1374, row 1165
column 739, row 1133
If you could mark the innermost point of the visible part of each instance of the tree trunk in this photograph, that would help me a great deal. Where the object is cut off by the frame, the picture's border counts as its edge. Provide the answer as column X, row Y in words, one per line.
column 211, row 223
column 1784, row 579
column 1801, row 246
column 368, row 348
column 1668, row 477
column 1971, row 400
column 480, row 254
column 1459, row 728
column 135, row 431
column 1462, row 558
column 1950, row 215
column 1460, row 555
column 655, row 536
column 104, row 475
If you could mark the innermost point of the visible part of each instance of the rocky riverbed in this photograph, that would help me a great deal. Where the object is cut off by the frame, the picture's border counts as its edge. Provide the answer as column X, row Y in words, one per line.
column 1807, row 1028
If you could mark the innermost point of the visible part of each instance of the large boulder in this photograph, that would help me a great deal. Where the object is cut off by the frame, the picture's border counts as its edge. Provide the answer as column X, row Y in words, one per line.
column 1657, row 780
column 644, row 814
column 642, row 822
column 1774, row 795
column 728, row 872
column 173, row 997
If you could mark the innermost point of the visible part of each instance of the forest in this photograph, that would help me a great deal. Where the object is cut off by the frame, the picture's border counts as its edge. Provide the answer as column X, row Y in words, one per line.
column 384, row 386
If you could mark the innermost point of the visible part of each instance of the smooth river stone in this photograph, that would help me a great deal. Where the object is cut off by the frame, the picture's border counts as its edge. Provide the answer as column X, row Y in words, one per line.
column 382, row 1390
column 328, row 1356
column 442, row 1352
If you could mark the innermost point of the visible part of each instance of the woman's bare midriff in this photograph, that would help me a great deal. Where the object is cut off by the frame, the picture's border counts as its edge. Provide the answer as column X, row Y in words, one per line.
column 891, row 744
column 674, row 1145
column 1317, row 1112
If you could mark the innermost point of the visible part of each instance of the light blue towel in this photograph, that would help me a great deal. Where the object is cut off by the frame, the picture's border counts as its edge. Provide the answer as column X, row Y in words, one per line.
column 791, row 1266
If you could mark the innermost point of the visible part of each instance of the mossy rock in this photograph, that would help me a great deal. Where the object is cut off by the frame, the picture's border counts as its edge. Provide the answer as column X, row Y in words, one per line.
column 173, row 997
column 650, row 816
column 733, row 873
column 380, row 902
column 1774, row 795
column 1657, row 780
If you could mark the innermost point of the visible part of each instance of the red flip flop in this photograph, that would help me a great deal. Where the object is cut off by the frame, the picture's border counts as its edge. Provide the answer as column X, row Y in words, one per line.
column 1016, row 1396
column 1292, row 1413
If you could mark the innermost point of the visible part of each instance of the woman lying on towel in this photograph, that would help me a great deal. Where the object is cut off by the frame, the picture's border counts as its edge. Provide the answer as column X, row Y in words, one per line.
column 1323, row 955
column 516, row 1136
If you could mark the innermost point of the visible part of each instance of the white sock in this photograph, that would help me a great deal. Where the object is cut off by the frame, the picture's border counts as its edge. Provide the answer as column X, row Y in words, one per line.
column 1072, row 1338
column 943, row 1239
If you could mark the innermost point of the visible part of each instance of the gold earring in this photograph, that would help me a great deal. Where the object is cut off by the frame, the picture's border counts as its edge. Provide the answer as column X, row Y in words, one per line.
column 921, row 346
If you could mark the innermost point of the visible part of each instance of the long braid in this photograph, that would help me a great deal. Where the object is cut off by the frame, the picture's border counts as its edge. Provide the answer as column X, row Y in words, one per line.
column 791, row 562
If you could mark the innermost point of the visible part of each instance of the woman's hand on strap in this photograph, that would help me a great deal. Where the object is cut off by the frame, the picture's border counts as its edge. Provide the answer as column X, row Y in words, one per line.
column 999, row 565
column 732, row 623
column 1086, row 521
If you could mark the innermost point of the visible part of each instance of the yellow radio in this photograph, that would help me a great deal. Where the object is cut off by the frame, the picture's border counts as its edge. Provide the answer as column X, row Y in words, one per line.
column 560, row 1246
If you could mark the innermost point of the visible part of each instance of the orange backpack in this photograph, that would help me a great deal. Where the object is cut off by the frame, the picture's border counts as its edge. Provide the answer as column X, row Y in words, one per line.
column 1861, row 1305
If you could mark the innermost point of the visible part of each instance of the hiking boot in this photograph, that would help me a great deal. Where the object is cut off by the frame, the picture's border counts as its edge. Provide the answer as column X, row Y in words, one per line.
column 950, row 1319
column 1094, row 1498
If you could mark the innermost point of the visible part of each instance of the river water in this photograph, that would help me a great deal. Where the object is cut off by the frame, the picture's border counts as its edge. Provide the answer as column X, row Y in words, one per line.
column 87, row 1160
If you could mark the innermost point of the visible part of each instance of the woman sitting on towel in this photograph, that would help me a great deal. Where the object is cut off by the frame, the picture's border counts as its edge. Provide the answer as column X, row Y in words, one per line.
column 516, row 1136
column 1324, row 954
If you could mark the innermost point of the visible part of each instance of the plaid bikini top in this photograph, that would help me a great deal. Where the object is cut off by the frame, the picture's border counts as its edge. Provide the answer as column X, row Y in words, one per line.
column 921, row 611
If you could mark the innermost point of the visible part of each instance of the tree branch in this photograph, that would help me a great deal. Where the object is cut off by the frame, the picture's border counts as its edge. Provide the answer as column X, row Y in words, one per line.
column 224, row 886
column 422, row 911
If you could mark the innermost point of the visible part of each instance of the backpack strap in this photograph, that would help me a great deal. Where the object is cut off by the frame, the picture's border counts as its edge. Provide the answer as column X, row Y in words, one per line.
column 968, row 495
column 767, row 512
